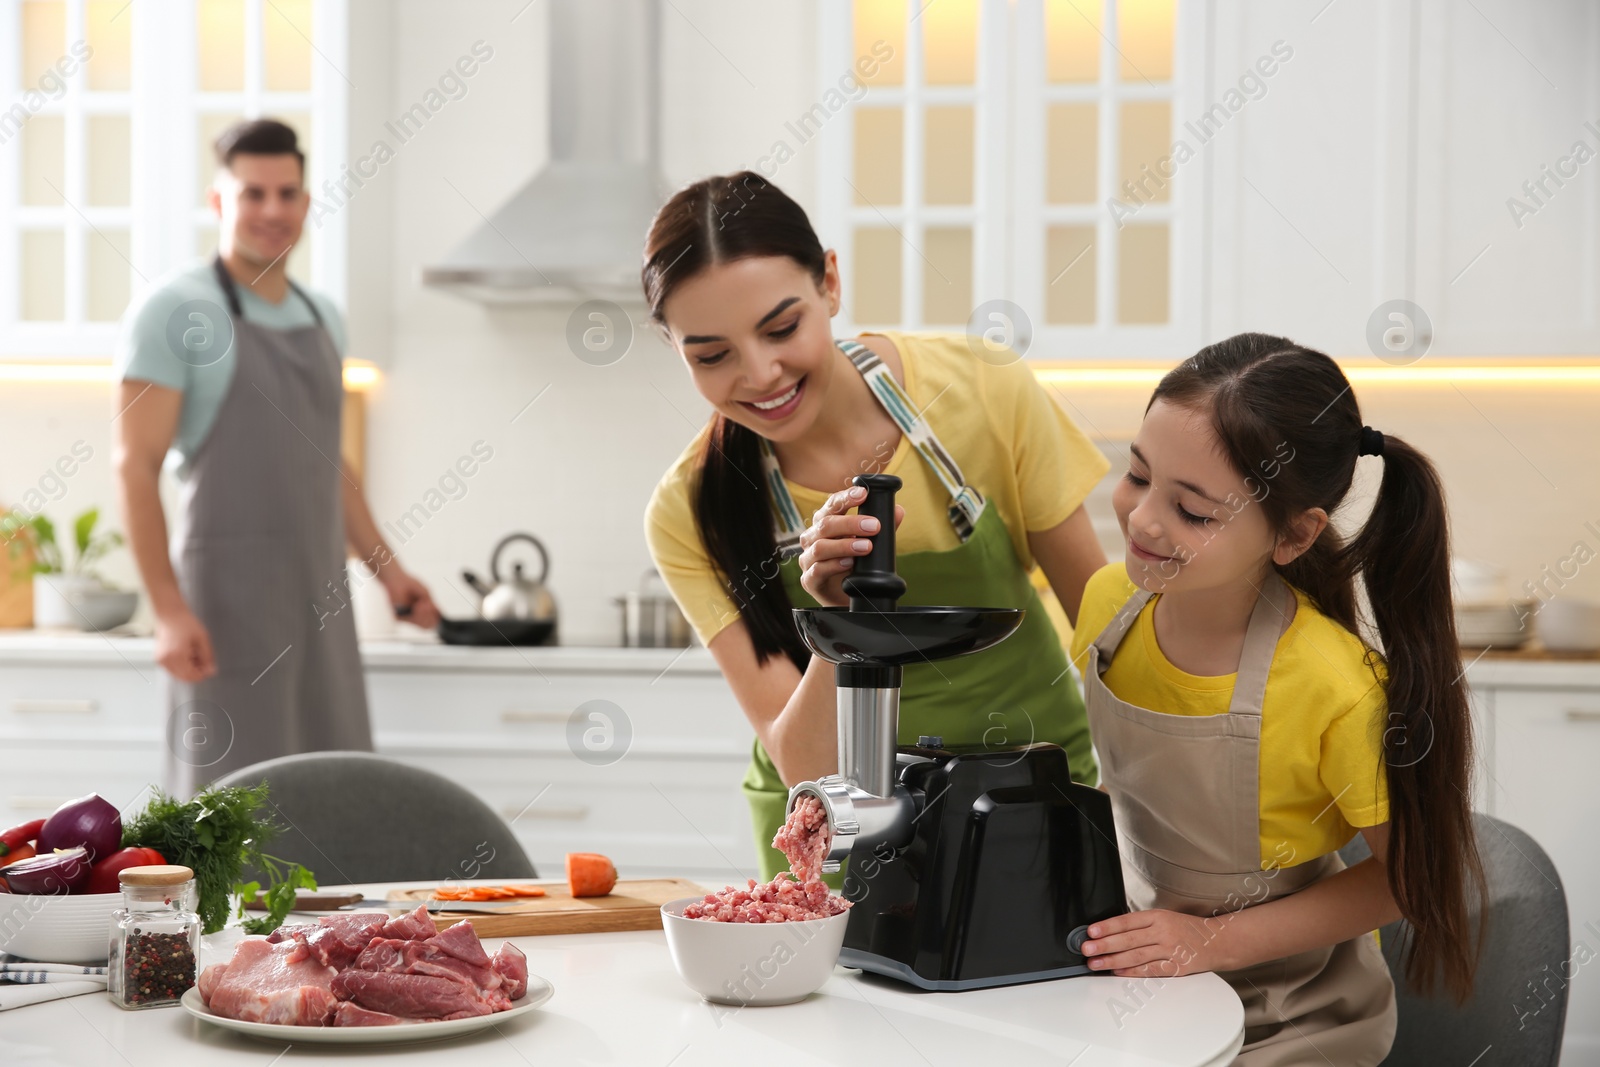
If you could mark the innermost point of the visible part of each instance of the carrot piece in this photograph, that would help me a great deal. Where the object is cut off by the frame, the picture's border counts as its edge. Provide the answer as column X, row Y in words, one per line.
column 526, row 890
column 589, row 874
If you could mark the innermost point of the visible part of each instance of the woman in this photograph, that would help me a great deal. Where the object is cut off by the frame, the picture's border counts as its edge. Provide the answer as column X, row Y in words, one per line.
column 995, row 476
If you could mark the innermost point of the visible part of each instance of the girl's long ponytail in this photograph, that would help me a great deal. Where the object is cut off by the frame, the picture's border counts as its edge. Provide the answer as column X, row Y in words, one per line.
column 1403, row 556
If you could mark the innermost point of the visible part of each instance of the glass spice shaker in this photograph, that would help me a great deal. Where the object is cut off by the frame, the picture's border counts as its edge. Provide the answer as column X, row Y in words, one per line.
column 155, row 937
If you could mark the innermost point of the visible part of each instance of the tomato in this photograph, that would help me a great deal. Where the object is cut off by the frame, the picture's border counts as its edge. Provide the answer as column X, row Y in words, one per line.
column 103, row 875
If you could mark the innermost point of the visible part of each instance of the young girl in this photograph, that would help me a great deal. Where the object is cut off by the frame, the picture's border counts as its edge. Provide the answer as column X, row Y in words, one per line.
column 1246, row 733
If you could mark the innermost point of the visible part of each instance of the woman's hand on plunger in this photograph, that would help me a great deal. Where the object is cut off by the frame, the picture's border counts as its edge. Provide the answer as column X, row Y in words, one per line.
column 833, row 541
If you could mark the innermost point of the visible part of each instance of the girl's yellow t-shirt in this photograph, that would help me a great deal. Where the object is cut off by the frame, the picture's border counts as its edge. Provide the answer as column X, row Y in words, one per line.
column 1322, row 718
column 1010, row 438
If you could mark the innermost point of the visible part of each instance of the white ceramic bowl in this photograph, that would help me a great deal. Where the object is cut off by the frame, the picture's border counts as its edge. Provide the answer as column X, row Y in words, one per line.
column 1567, row 625
column 752, row 964
column 69, row 929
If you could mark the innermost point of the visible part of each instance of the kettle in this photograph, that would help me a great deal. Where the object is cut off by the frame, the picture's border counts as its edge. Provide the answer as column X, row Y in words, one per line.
column 518, row 598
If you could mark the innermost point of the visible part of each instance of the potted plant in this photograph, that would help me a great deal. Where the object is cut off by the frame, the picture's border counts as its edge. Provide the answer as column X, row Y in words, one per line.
column 69, row 595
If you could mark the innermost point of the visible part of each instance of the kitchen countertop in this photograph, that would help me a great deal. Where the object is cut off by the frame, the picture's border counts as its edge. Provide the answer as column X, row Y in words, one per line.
column 424, row 652
column 618, row 1001
column 1532, row 667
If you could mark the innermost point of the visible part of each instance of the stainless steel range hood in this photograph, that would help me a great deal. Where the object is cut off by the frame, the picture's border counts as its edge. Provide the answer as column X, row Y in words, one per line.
column 577, row 229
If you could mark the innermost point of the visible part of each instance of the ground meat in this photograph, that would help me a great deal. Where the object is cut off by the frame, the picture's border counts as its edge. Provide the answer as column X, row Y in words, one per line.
column 795, row 895
column 804, row 838
column 778, row 901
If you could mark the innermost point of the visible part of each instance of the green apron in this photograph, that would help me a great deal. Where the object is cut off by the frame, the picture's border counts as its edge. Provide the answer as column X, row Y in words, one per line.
column 1016, row 693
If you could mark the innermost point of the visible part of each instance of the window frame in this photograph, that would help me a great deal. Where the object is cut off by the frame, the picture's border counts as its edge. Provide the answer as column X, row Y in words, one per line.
column 164, row 107
column 1009, row 214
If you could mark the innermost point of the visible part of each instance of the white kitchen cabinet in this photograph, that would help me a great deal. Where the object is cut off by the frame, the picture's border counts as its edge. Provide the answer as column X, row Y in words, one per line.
column 654, row 784
column 1307, row 227
column 1507, row 195
column 1546, row 748
column 1541, row 751
column 69, row 730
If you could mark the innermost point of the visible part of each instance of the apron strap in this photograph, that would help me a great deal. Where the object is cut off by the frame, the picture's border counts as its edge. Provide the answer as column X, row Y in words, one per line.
column 966, row 502
column 230, row 291
column 1268, row 619
column 1105, row 646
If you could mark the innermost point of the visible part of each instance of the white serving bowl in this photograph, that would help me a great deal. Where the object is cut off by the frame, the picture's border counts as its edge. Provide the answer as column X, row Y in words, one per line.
column 1567, row 625
column 752, row 964
column 69, row 929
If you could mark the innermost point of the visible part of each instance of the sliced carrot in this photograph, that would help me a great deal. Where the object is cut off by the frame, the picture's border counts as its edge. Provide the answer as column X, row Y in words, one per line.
column 589, row 874
column 486, row 892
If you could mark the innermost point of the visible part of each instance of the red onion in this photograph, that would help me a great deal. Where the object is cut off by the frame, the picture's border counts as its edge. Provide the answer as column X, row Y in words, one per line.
column 90, row 822
column 54, row 873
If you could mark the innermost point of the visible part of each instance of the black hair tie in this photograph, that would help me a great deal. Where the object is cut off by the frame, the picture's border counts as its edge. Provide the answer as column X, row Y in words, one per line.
column 1371, row 442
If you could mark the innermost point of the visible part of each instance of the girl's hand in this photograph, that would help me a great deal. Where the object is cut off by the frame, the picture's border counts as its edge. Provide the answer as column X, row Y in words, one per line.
column 1155, row 944
column 832, row 542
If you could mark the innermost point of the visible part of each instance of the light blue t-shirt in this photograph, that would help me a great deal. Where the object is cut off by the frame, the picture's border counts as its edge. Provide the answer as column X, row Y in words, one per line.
column 177, row 335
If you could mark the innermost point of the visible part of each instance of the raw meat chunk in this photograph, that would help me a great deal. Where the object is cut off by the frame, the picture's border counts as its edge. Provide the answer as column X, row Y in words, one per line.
column 416, row 926
column 512, row 967
column 271, row 983
column 417, row 996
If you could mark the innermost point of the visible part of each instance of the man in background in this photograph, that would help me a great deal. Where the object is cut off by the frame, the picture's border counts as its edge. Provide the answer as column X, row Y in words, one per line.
column 235, row 371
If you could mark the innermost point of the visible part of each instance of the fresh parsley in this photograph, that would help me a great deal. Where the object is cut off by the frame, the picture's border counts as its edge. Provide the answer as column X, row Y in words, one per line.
column 217, row 835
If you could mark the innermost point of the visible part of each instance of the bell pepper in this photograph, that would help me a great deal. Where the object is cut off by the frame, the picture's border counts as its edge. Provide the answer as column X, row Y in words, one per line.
column 18, row 836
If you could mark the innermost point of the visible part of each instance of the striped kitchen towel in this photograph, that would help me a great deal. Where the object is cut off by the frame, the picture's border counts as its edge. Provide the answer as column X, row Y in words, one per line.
column 24, row 982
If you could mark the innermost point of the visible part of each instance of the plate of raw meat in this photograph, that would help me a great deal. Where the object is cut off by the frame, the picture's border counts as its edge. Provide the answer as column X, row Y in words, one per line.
column 366, row 978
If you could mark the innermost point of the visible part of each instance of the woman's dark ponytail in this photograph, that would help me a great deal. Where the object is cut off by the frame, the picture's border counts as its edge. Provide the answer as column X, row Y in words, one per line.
column 1289, row 423
column 718, row 220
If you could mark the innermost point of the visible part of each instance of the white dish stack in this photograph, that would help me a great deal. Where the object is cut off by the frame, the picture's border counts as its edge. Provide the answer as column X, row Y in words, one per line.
column 1486, row 616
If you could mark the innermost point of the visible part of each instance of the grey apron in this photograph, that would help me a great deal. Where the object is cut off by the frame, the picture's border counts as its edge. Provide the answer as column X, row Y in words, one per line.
column 1185, row 792
column 259, row 553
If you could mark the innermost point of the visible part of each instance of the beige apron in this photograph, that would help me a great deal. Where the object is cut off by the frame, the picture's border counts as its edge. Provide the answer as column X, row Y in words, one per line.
column 1184, row 789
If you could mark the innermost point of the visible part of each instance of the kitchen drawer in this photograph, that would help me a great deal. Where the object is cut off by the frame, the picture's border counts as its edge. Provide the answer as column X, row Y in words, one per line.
column 41, row 777
column 81, row 701
column 640, row 812
column 527, row 711
column 1546, row 749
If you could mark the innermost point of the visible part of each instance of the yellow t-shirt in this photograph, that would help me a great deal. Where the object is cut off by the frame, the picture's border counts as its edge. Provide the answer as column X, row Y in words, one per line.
column 1011, row 440
column 1322, row 718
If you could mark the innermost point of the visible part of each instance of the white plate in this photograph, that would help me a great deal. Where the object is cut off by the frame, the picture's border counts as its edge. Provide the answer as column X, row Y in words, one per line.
column 538, row 992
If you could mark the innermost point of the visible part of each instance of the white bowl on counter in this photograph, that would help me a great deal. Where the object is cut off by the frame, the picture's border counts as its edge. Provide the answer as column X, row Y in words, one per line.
column 1568, row 625
column 51, row 929
column 752, row 964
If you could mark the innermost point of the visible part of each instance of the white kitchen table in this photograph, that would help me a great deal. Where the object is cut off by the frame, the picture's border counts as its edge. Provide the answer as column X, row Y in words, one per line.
column 618, row 1001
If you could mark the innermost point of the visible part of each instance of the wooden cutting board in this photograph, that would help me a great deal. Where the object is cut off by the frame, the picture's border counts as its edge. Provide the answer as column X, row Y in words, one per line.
column 635, row 904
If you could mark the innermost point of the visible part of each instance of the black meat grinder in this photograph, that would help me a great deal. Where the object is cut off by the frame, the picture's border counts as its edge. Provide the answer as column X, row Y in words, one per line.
column 970, row 866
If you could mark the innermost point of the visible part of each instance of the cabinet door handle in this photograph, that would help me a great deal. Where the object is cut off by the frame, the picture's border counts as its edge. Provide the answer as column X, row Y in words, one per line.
column 43, row 706
column 573, row 812
column 1583, row 714
column 525, row 715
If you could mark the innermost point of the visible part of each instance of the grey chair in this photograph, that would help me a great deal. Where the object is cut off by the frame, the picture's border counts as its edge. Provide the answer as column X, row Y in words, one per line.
column 357, row 817
column 1519, row 1003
